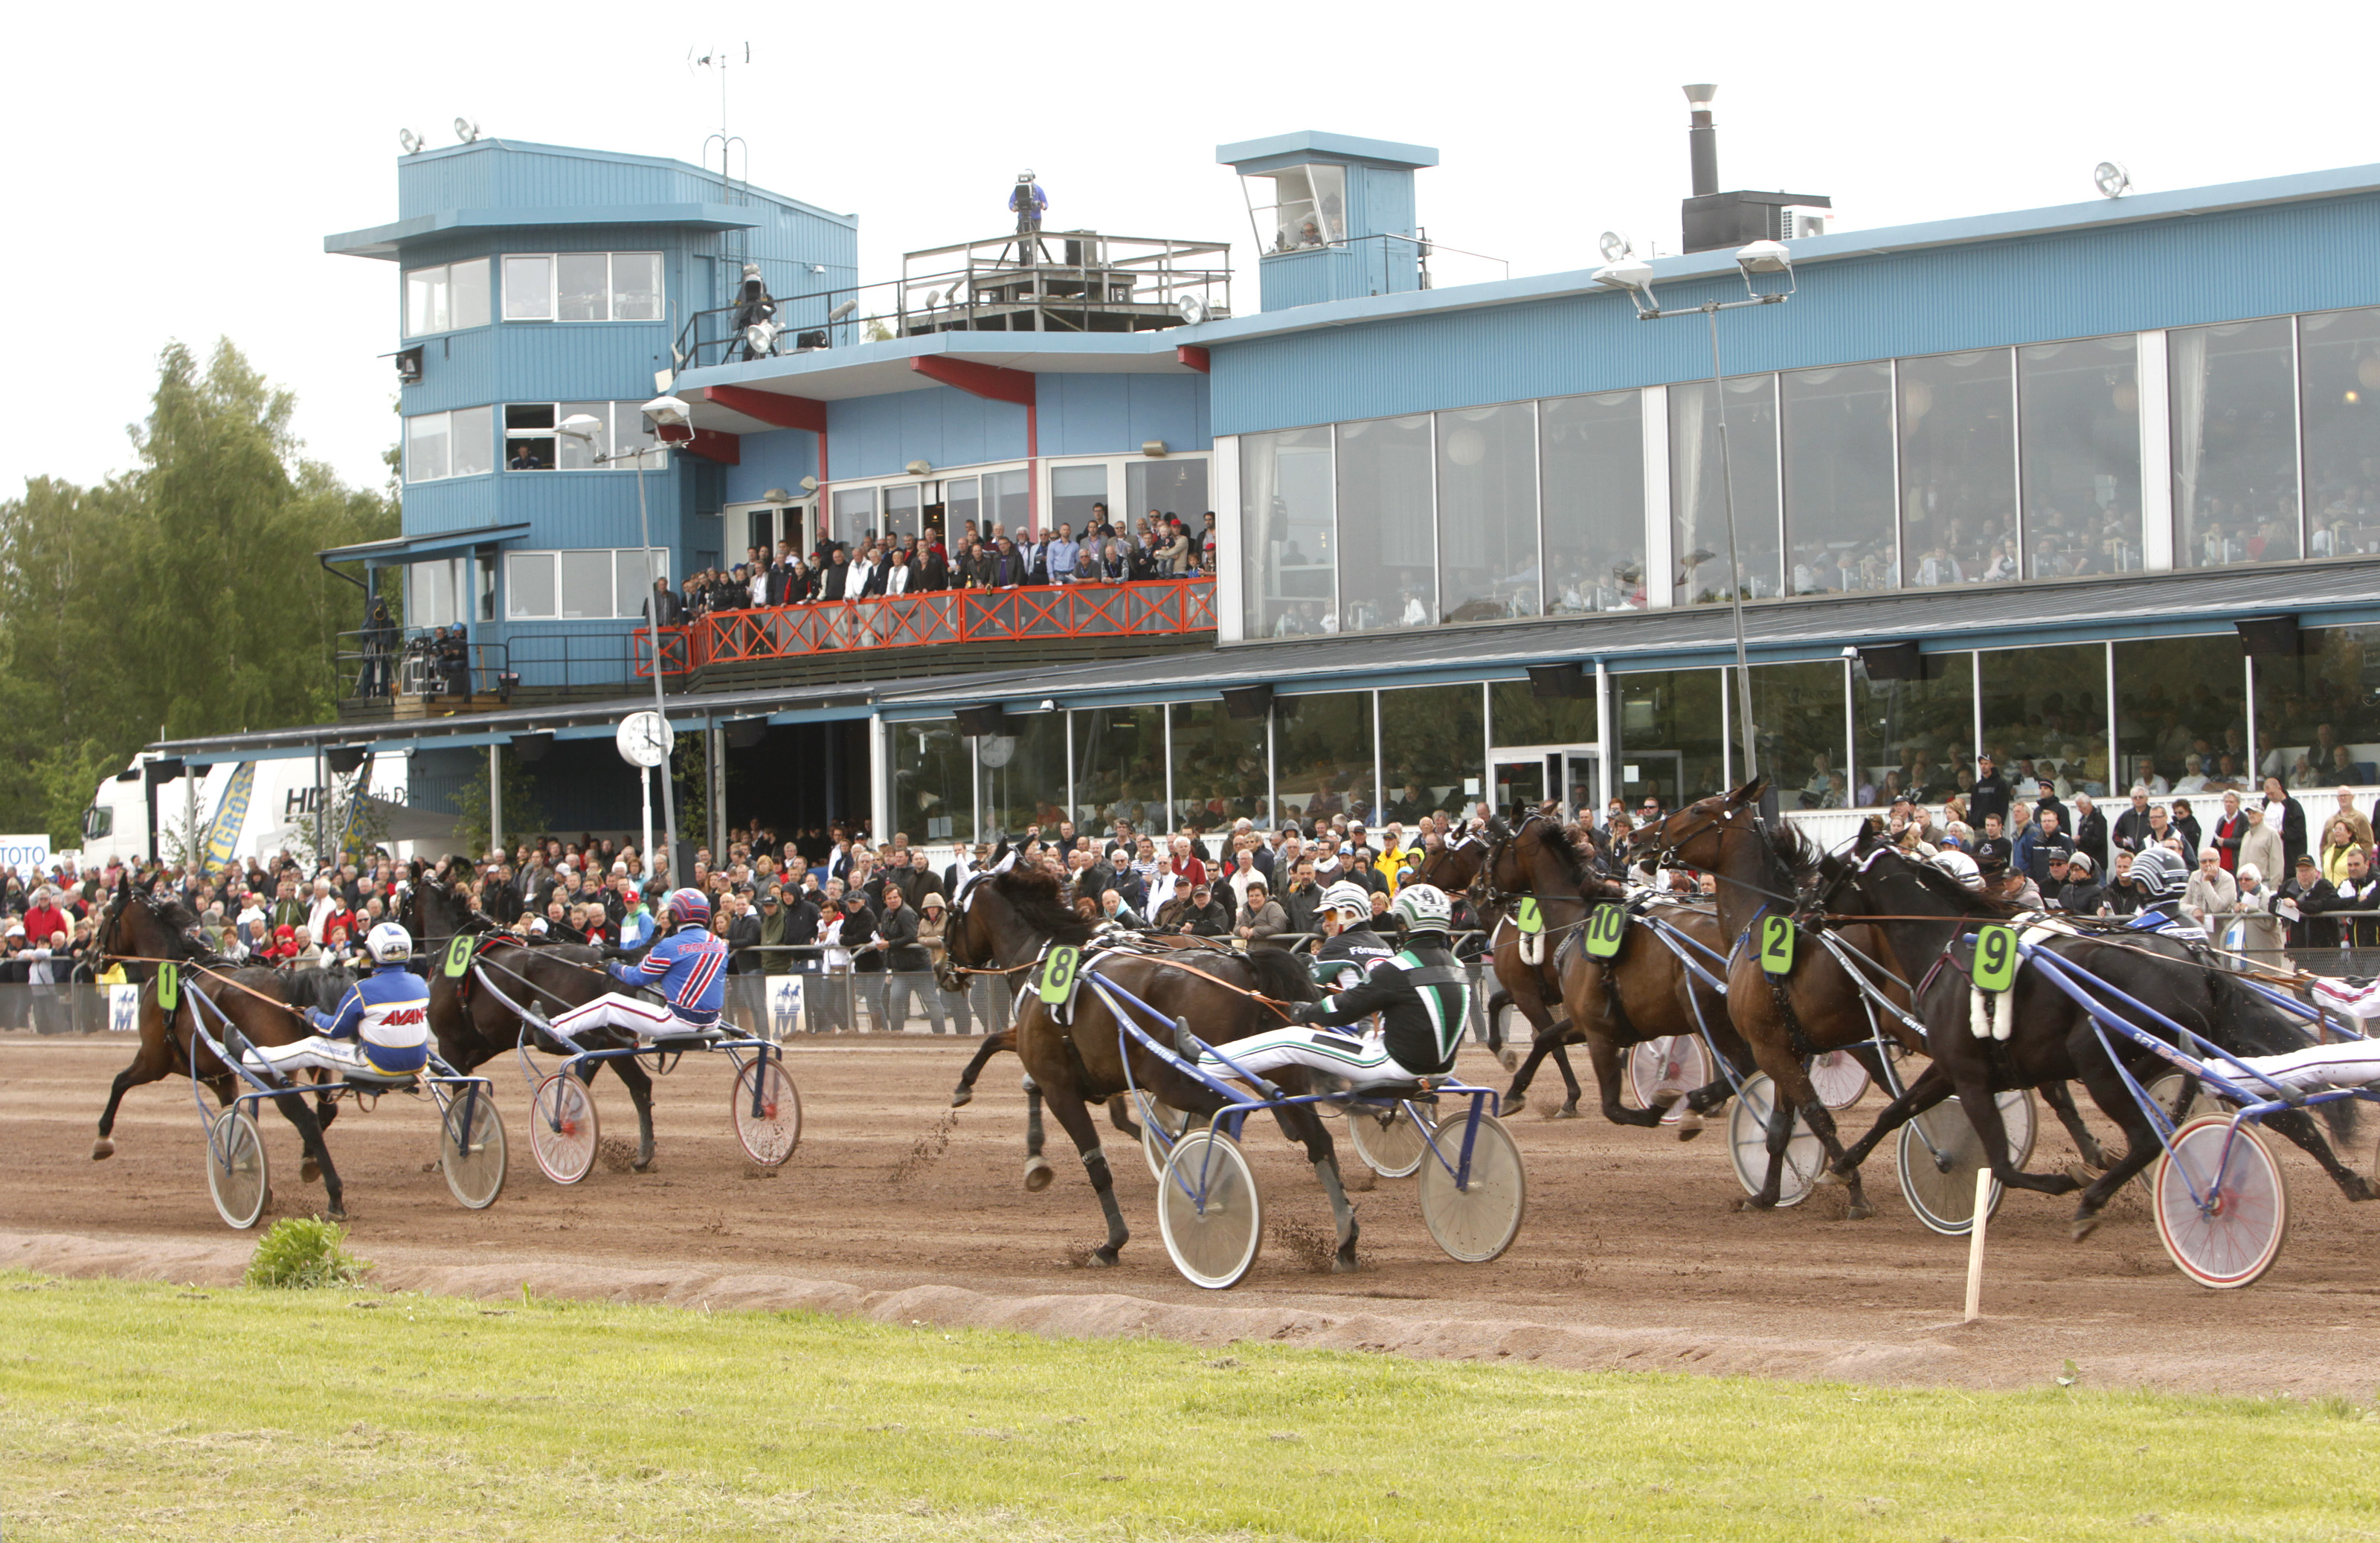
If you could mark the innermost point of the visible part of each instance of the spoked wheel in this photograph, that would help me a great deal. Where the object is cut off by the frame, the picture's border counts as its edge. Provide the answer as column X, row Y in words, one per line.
column 1674, row 1063
column 1390, row 1140
column 1747, row 1145
column 1206, row 1207
column 236, row 1173
column 1942, row 1191
column 1838, row 1078
column 471, row 1148
column 1476, row 1221
column 766, row 1110
column 562, row 1128
column 2230, row 1232
column 1161, row 1125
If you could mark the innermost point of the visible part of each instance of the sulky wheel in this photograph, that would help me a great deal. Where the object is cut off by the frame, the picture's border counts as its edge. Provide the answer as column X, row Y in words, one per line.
column 1941, row 1191
column 1747, row 1145
column 2225, row 1230
column 471, row 1147
column 1161, row 1125
column 236, row 1173
column 1675, row 1062
column 1208, row 1210
column 766, row 1110
column 1391, row 1140
column 1477, row 1220
column 562, row 1128
column 1838, row 1078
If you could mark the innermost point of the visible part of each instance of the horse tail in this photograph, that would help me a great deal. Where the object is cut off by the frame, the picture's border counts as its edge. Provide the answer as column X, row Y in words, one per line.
column 2253, row 1024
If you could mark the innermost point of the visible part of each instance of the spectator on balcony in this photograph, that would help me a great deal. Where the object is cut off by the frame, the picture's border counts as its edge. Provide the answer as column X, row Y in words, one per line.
column 836, row 574
column 1004, row 569
column 1063, row 557
column 755, row 584
column 380, row 649
column 1173, row 557
column 934, row 571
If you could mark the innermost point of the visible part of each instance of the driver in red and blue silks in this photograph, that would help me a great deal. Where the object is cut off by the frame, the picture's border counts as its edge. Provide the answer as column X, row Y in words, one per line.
column 688, row 968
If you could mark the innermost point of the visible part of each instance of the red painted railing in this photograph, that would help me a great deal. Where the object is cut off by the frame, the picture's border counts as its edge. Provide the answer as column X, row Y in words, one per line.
column 1154, row 608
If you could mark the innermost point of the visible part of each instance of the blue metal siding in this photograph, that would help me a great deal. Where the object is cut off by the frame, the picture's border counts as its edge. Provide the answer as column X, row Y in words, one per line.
column 1101, row 415
column 2113, row 279
column 877, row 436
column 780, row 459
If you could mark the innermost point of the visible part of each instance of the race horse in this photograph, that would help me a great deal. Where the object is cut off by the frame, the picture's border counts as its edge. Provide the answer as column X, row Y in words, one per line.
column 265, row 1005
column 1924, row 911
column 474, row 1015
column 1455, row 867
column 1089, row 1058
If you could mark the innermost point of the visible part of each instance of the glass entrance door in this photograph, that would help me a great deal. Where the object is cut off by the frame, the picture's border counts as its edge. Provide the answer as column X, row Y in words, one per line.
column 1520, row 784
column 1524, row 779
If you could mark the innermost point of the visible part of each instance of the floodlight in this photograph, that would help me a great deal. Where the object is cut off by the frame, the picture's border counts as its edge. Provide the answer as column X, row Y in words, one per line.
column 465, row 130
column 1699, row 98
column 760, row 338
column 839, row 312
column 580, row 426
column 919, row 468
column 1193, row 310
column 2112, row 180
column 809, row 485
column 1634, row 273
column 1615, row 245
column 669, row 411
column 776, row 495
column 408, row 141
column 1765, row 257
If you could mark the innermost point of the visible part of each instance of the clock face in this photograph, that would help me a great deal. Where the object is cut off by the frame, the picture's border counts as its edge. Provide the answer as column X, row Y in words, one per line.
column 644, row 739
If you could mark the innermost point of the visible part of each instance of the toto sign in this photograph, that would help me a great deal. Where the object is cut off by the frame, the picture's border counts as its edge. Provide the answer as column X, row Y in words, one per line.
column 24, row 853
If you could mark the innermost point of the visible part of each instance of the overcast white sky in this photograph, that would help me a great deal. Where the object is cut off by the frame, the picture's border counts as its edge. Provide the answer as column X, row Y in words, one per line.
column 174, row 169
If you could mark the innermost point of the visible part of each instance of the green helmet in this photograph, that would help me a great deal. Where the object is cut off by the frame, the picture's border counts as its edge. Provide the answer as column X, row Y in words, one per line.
column 1425, row 909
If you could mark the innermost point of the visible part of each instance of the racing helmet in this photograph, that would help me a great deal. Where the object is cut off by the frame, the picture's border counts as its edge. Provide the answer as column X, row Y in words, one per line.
column 688, row 906
column 1960, row 865
column 388, row 944
column 1349, row 899
column 1424, row 908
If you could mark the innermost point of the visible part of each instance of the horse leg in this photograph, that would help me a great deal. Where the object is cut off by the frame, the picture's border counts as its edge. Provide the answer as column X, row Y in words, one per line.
column 1500, row 1001
column 993, row 1045
column 1075, row 1116
column 1821, row 1122
column 1931, row 1087
column 632, row 1072
column 1983, row 1114
column 1569, row 1111
column 2060, row 1097
column 1038, row 1172
column 1120, row 1115
column 134, row 1075
column 1603, row 1054
column 2300, row 1128
column 1301, row 1125
column 1517, row 1099
column 309, row 1130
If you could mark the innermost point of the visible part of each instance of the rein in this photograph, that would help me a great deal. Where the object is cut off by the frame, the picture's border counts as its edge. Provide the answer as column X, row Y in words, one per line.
column 214, row 975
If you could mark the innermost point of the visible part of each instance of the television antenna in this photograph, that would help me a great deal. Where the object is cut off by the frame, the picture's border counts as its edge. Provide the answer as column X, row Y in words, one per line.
column 721, row 58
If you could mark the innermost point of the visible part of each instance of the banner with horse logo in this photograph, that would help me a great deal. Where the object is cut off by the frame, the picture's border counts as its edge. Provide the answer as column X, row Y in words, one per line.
column 784, row 1006
column 123, row 1008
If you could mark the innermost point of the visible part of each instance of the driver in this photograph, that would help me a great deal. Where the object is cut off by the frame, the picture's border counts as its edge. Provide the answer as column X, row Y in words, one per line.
column 688, row 967
column 1420, row 991
column 382, row 1025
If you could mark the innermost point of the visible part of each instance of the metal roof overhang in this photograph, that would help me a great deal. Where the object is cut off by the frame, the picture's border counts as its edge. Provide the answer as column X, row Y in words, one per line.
column 386, row 241
column 432, row 543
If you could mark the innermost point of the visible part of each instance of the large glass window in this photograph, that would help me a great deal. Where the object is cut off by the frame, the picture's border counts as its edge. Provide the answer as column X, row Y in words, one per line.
column 1219, row 767
column 2045, row 715
column 961, row 508
column 1914, row 736
column 2235, row 442
column 435, row 591
column 1286, row 503
column 1488, row 513
column 854, row 513
column 1592, row 449
column 1799, row 709
column 583, row 584
column 2180, row 708
column 901, row 509
column 1012, row 501
column 931, row 769
column 1304, row 206
column 1698, row 497
column 1387, row 565
column 529, row 289
column 1518, row 716
column 1431, row 743
column 1839, row 533
column 1669, row 735
column 446, row 298
column 1175, row 485
column 2079, row 407
column 1023, row 775
column 1073, row 490
column 583, row 287
column 456, row 443
column 2318, row 715
column 1322, row 754
column 1119, row 766
column 1957, row 469
column 2339, row 356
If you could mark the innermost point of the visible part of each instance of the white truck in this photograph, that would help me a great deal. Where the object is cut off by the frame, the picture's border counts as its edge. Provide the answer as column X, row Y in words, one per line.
column 272, row 805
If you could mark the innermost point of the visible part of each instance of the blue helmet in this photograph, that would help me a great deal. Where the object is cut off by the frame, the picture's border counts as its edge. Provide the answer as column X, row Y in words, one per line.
column 688, row 906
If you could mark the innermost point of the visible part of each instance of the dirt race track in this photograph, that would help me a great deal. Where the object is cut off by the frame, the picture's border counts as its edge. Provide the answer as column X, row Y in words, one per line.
column 1632, row 1255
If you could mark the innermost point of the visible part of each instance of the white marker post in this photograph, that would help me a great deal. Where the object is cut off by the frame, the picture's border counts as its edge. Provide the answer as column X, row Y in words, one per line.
column 1975, row 1244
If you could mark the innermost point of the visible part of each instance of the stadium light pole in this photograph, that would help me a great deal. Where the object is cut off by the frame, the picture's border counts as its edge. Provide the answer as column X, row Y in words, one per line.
column 1634, row 276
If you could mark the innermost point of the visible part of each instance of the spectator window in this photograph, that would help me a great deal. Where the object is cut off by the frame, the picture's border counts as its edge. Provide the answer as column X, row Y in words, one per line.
column 446, row 298
column 2339, row 364
column 583, row 287
column 961, row 504
column 1698, row 498
column 1176, row 485
column 533, row 440
column 2235, row 443
column 1305, row 207
column 1073, row 490
column 586, row 584
column 442, row 444
column 1012, row 502
column 901, row 509
column 1593, row 451
column 854, row 513
column 1838, row 526
column 1958, row 471
column 434, row 591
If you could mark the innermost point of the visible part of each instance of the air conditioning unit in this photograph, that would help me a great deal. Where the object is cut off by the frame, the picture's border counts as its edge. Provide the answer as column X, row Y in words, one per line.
column 1801, row 222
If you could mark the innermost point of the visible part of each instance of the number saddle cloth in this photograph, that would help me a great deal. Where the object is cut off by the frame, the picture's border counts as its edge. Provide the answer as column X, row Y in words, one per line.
column 2032, row 929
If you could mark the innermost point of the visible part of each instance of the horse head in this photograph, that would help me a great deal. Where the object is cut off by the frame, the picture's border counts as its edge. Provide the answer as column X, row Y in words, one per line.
column 1697, row 835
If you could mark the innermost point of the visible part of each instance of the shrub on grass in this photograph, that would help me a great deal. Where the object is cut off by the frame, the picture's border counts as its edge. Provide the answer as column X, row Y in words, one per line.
column 302, row 1253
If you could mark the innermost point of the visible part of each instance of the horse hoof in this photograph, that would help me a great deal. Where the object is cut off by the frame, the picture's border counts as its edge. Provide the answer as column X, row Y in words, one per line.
column 1103, row 1257
column 1341, row 1265
column 962, row 1097
column 644, row 1167
column 335, row 1213
column 1509, row 1059
column 1860, row 1210
column 309, row 1171
column 1516, row 1103
column 100, row 1148
column 1037, row 1177
column 2083, row 1227
column 1690, row 1124
column 1569, row 1111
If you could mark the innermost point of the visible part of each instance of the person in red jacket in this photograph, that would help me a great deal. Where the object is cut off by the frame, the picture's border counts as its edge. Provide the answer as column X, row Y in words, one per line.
column 44, row 917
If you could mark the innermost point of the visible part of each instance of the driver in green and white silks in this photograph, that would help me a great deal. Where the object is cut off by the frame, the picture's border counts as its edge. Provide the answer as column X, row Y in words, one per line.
column 1420, row 991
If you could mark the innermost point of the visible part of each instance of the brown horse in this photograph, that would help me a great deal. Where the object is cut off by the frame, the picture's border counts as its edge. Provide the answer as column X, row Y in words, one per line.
column 1534, row 989
column 1090, row 1059
column 473, row 1015
column 138, row 930
column 1642, row 992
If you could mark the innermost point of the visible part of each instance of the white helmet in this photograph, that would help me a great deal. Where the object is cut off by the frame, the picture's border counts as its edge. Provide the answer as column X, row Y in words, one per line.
column 1960, row 865
column 1425, row 909
column 388, row 944
column 1349, row 899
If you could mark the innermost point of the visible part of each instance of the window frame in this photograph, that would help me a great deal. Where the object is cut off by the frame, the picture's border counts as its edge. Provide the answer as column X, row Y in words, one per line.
column 553, row 315
column 615, row 415
column 449, row 414
column 553, row 559
column 445, row 287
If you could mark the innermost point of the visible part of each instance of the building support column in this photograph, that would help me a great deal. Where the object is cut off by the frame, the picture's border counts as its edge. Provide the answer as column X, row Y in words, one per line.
column 879, row 791
column 2154, row 388
column 496, row 801
column 1607, row 742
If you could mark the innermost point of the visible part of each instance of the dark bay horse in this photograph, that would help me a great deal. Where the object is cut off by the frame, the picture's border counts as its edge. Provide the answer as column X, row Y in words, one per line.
column 1533, row 990
column 2051, row 1038
column 473, row 1022
column 1641, row 993
column 142, row 929
column 1090, row 1060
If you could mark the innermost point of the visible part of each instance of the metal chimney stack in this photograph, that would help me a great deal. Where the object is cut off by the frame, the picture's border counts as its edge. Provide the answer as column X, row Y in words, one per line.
column 1702, row 141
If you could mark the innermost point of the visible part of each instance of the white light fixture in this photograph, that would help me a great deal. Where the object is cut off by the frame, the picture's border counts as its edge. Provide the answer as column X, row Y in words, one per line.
column 1700, row 97
column 809, row 485
column 2112, row 180
column 760, row 339
column 1765, row 257
column 408, row 141
column 465, row 130
column 580, row 426
column 816, row 267
column 1049, row 704
column 1153, row 448
column 669, row 411
column 1193, row 310
column 1634, row 275
column 919, row 468
column 776, row 495
column 839, row 312
column 1614, row 246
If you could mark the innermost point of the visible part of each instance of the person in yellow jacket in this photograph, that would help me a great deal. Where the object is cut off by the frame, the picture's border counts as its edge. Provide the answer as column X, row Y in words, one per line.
column 1392, row 863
